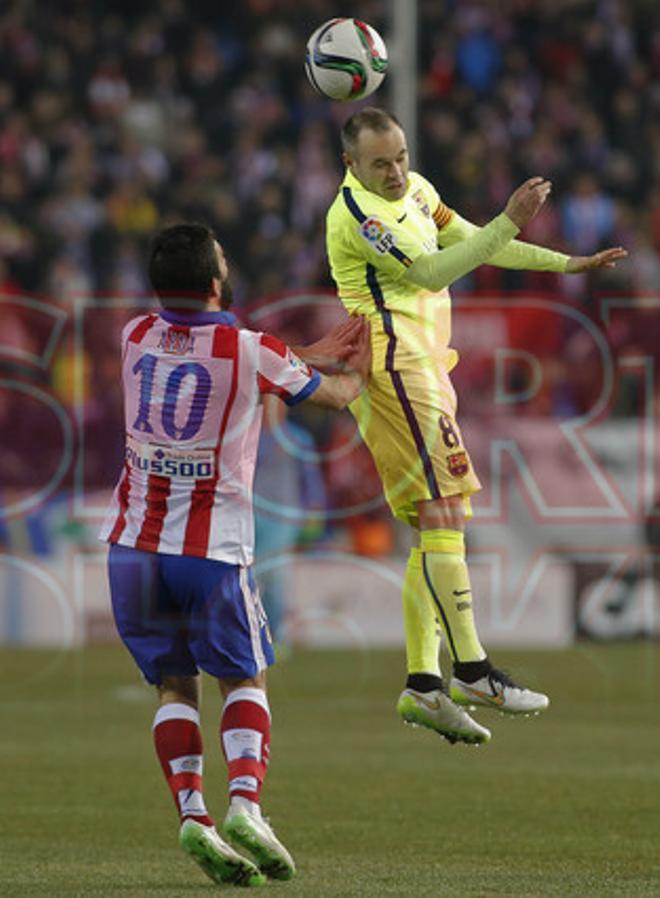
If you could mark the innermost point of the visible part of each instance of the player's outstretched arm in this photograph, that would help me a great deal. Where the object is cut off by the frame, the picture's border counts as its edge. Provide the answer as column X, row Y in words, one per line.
column 339, row 390
column 434, row 271
column 528, row 256
column 517, row 254
column 606, row 258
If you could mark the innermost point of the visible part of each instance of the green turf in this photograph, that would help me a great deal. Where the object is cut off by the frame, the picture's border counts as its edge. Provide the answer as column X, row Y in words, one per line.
column 564, row 805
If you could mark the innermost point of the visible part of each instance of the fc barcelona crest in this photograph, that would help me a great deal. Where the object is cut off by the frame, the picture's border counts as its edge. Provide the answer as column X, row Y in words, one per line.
column 418, row 197
column 458, row 464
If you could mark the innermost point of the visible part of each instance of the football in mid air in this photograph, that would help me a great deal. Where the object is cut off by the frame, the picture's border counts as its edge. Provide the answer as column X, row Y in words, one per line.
column 346, row 59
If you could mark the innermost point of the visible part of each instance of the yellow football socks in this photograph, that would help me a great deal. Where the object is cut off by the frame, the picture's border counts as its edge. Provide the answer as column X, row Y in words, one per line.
column 447, row 581
column 419, row 619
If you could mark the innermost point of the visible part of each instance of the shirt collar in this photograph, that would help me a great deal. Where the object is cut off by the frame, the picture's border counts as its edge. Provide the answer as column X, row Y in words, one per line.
column 196, row 319
column 351, row 181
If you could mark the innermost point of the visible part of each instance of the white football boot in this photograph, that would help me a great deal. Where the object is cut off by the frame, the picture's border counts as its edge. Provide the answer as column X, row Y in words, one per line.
column 245, row 826
column 217, row 859
column 436, row 711
column 497, row 690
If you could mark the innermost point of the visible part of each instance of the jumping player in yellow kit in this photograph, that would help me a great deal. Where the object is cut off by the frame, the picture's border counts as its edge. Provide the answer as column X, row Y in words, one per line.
column 394, row 248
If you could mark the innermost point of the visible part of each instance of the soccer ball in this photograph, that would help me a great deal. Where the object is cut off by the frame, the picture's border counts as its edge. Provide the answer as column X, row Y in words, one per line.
column 346, row 59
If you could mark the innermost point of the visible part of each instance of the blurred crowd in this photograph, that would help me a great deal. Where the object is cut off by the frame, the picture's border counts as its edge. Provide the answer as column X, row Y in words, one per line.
column 117, row 118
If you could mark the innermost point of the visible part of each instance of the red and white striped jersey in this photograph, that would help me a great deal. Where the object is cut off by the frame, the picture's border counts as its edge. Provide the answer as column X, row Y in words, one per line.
column 192, row 404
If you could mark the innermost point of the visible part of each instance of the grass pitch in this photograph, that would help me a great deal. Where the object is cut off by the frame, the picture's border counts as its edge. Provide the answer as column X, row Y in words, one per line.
column 567, row 804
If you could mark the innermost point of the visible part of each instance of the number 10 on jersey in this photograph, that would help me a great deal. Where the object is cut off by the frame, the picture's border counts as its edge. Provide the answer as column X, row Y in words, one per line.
column 178, row 383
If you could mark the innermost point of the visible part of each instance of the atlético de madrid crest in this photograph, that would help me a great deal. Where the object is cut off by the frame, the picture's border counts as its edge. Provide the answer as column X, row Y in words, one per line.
column 178, row 341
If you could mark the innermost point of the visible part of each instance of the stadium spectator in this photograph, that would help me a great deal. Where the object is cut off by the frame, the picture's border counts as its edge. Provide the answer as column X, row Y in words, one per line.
column 288, row 486
column 587, row 216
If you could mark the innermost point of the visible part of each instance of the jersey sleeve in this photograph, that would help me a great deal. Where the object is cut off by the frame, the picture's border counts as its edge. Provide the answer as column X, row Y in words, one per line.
column 442, row 215
column 281, row 373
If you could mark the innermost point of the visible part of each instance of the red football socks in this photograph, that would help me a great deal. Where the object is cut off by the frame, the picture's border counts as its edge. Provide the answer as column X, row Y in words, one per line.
column 178, row 742
column 245, row 738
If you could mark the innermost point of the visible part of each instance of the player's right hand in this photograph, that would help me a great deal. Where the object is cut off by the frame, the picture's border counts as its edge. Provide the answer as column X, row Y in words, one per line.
column 329, row 354
column 359, row 360
column 526, row 201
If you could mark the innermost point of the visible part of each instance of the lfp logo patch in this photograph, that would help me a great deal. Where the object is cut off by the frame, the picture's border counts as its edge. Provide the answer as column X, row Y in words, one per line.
column 375, row 232
column 298, row 364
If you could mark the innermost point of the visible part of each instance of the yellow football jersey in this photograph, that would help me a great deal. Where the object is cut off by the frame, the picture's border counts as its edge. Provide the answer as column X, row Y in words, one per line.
column 371, row 242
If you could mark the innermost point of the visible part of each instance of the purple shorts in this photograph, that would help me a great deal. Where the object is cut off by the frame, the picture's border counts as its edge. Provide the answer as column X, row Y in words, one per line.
column 177, row 614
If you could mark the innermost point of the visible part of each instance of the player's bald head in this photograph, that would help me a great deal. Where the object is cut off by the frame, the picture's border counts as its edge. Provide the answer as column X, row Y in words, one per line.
column 375, row 152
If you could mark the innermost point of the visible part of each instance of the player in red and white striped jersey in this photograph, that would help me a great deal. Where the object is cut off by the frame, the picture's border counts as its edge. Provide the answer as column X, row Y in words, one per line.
column 181, row 529
column 193, row 414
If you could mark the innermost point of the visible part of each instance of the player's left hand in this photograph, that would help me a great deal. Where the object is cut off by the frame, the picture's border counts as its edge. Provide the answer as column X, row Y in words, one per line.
column 607, row 258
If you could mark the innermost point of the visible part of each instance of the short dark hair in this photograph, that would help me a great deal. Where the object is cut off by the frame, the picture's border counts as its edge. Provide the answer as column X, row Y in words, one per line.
column 370, row 117
column 182, row 264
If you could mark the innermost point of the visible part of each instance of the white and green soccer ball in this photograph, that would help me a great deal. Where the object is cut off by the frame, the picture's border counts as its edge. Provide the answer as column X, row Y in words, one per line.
column 346, row 59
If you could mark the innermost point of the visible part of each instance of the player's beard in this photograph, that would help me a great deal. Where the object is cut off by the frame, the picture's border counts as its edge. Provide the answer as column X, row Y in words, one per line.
column 226, row 294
